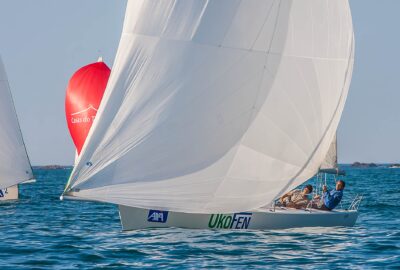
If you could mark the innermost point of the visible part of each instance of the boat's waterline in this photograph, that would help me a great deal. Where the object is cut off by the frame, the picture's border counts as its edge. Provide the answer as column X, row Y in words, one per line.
column 264, row 219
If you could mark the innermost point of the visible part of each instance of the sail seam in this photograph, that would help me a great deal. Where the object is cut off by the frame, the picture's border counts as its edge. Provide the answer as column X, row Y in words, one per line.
column 261, row 80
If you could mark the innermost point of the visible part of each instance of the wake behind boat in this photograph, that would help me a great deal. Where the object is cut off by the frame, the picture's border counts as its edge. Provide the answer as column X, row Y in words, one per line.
column 201, row 117
column 15, row 166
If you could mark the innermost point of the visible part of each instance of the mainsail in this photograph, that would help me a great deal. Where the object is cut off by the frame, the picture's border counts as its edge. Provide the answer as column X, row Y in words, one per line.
column 217, row 106
column 14, row 162
column 330, row 161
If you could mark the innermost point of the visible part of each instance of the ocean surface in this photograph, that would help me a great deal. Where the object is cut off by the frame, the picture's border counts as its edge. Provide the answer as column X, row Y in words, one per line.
column 41, row 232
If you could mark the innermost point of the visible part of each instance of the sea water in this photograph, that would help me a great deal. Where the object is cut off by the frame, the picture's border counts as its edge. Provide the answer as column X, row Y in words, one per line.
column 41, row 232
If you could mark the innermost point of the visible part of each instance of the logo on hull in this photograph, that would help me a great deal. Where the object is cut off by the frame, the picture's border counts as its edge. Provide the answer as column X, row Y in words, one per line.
column 157, row 216
column 233, row 221
column 85, row 116
column 3, row 192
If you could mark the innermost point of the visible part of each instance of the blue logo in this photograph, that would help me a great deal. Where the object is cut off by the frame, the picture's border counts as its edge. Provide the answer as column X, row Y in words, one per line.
column 157, row 216
column 3, row 192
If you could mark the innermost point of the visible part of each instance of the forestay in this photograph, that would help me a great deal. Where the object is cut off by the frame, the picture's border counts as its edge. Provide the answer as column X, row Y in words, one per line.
column 217, row 106
column 14, row 163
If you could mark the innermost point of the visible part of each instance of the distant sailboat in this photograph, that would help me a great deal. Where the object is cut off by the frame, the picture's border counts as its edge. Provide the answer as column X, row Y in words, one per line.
column 15, row 166
column 219, row 107
column 83, row 96
column 330, row 163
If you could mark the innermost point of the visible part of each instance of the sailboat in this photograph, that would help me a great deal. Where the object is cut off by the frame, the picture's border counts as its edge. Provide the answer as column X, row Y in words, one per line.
column 15, row 166
column 214, row 109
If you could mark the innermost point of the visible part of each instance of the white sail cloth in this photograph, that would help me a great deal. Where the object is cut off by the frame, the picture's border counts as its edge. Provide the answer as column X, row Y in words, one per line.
column 330, row 161
column 217, row 106
column 14, row 163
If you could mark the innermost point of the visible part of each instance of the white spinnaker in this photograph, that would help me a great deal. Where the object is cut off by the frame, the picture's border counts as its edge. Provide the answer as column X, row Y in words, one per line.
column 217, row 106
column 14, row 162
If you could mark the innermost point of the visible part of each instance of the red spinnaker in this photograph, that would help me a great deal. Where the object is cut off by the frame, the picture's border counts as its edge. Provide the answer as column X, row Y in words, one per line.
column 84, row 93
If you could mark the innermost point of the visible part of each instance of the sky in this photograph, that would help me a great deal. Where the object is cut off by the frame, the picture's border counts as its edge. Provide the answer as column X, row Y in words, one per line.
column 44, row 42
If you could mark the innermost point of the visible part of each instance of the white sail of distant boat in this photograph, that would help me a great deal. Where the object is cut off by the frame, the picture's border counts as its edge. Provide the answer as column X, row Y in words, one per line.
column 330, row 161
column 217, row 106
column 15, row 166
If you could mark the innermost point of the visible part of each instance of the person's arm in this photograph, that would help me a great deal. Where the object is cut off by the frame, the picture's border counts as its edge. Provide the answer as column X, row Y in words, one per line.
column 284, row 196
column 301, row 204
column 326, row 194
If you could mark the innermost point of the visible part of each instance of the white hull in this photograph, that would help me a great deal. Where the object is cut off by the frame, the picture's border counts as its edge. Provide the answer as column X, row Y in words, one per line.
column 266, row 219
column 10, row 193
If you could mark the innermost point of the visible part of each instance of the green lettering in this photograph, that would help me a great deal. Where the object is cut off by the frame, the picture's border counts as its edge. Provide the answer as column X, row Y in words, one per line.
column 228, row 222
column 211, row 223
column 221, row 220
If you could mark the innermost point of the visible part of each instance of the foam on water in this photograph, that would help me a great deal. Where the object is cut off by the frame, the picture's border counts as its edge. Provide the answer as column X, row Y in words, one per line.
column 40, row 231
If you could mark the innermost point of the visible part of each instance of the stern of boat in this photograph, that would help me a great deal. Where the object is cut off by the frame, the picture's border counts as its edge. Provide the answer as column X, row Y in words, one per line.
column 10, row 193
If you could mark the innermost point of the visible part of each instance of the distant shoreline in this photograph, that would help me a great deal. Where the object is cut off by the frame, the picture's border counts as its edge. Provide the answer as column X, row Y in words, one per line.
column 52, row 167
column 354, row 165
column 373, row 165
